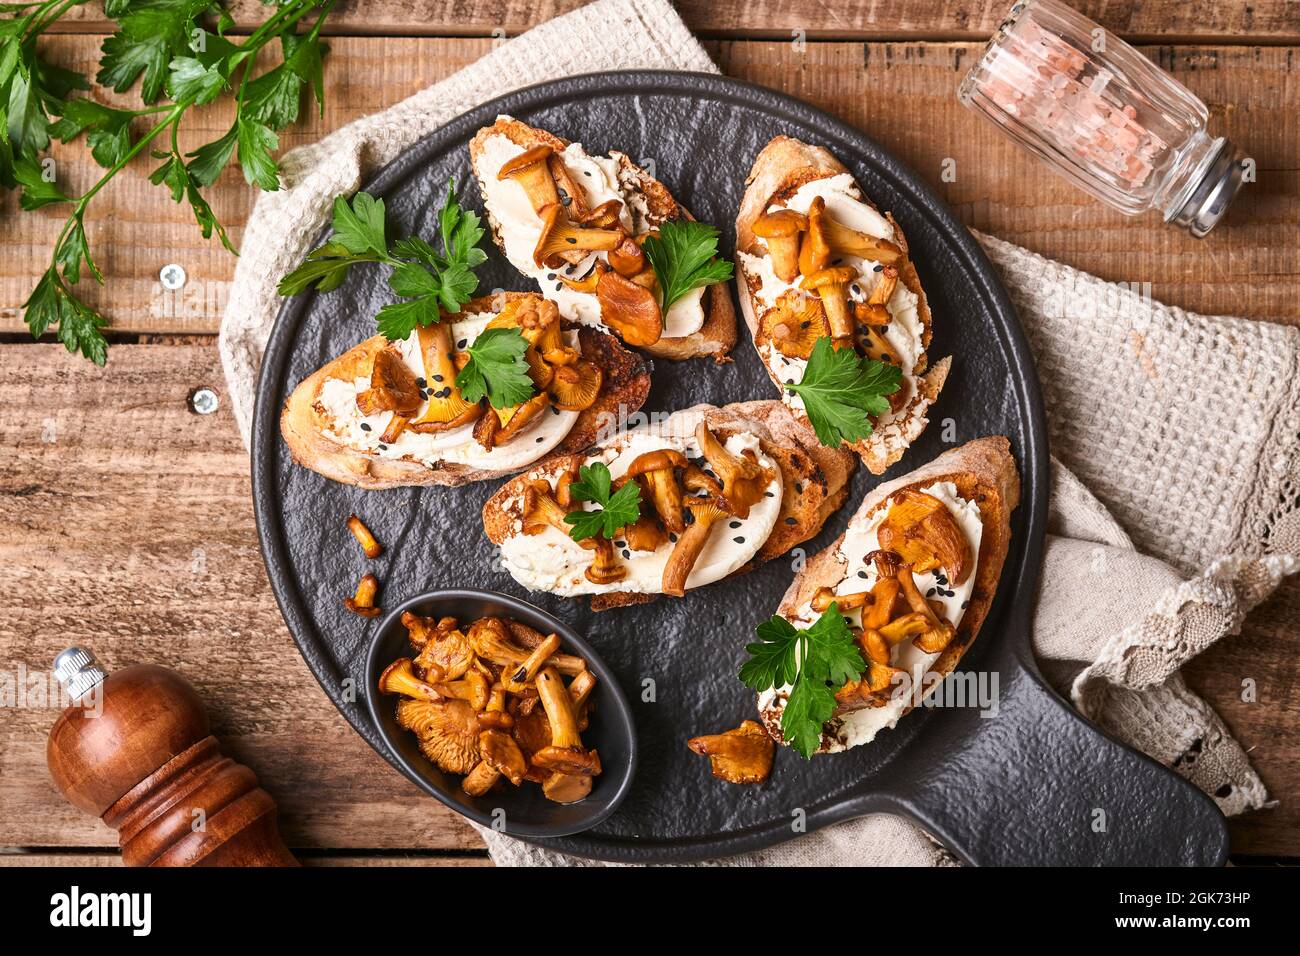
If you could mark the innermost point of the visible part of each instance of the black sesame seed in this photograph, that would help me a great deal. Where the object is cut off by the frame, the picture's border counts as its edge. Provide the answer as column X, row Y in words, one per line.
column 965, row 604
column 877, row 267
column 566, row 199
column 571, row 240
column 739, row 539
column 627, row 553
column 862, row 574
column 798, row 487
column 421, row 383
column 789, row 381
column 769, row 494
column 805, row 323
column 568, row 270
column 551, row 276
column 855, row 289
column 672, row 537
column 554, row 410
column 559, row 287
column 882, row 329
column 734, row 524
column 540, row 439
column 620, row 544
column 791, row 520
column 365, row 427
column 462, row 343
column 930, row 593
column 586, row 172
column 437, row 378
column 383, row 447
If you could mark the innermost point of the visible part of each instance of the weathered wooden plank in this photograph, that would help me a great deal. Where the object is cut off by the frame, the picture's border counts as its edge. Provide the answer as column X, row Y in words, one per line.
column 885, row 89
column 125, row 524
column 1261, row 20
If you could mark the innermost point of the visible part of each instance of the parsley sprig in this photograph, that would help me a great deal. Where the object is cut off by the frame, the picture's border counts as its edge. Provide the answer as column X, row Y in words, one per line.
column 497, row 369
column 615, row 511
column 841, row 390
column 428, row 279
column 684, row 257
column 814, row 663
column 179, row 54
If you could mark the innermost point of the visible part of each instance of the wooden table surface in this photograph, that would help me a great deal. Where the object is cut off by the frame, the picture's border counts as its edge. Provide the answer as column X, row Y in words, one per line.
column 126, row 523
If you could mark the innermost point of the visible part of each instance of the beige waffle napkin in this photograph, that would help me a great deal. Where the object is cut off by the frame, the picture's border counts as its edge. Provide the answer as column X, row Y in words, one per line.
column 1174, row 489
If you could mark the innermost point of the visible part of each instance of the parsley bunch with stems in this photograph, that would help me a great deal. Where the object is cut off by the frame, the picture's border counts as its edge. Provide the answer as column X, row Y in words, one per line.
column 179, row 48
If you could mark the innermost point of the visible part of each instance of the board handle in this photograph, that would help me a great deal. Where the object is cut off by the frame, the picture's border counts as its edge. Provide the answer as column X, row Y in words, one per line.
column 1036, row 784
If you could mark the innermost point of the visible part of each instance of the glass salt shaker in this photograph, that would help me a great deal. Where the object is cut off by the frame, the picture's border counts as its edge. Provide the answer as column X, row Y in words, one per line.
column 1100, row 112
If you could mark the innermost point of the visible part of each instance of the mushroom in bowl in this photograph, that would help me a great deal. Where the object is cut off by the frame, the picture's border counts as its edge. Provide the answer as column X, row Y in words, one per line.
column 501, row 711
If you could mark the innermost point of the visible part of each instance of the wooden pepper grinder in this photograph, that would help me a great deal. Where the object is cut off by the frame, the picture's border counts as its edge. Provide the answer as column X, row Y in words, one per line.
column 134, row 749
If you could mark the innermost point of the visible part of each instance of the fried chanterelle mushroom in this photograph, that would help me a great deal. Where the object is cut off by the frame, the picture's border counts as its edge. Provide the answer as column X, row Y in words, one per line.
column 490, row 702
column 741, row 755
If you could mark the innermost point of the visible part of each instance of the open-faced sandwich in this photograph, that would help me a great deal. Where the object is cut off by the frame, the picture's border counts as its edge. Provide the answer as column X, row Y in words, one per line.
column 668, row 507
column 830, row 296
column 605, row 241
column 875, row 621
column 482, row 393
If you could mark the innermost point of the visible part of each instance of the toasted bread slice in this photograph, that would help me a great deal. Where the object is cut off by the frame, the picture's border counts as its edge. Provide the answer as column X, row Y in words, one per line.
column 309, row 429
column 983, row 476
column 778, row 178
column 813, row 484
column 647, row 203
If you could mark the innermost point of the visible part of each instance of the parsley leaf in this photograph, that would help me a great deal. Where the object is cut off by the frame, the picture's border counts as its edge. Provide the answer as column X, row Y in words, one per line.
column 497, row 369
column 684, row 257
column 431, row 280
column 79, row 326
column 841, row 390
column 256, row 143
column 149, row 35
column 616, row 511
column 814, row 663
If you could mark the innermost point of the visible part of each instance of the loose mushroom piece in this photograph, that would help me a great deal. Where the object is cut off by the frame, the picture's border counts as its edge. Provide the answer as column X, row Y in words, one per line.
column 363, row 602
column 580, row 689
column 626, row 258
column 658, row 470
column 472, row 688
column 832, row 286
column 369, row 545
column 566, row 787
column 481, row 779
column 396, row 425
column 825, row 597
column 885, row 592
column 845, row 241
column 794, row 324
column 741, row 755
column 575, row 388
column 781, row 229
column 447, row 650
column 884, row 289
column 392, row 387
column 447, row 732
column 630, row 309
column 541, row 510
column 587, row 283
column 815, row 251
column 925, row 534
column 399, row 678
column 698, row 481
column 565, row 754
column 604, row 216
column 517, row 417
column 531, row 170
column 490, row 640
column 560, row 236
column 938, row 632
column 707, row 513
column 605, row 567
column 743, row 479
column 485, row 430
column 502, row 754
column 446, row 408
column 645, row 534
column 527, row 669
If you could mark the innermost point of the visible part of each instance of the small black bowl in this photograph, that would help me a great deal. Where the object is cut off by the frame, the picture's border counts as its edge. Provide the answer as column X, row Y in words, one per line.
column 519, row 811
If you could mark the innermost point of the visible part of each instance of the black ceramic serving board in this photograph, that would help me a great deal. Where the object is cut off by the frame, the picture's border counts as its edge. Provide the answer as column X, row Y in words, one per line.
column 1034, row 784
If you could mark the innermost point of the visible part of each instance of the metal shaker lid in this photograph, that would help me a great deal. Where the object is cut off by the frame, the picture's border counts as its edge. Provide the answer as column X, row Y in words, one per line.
column 77, row 671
